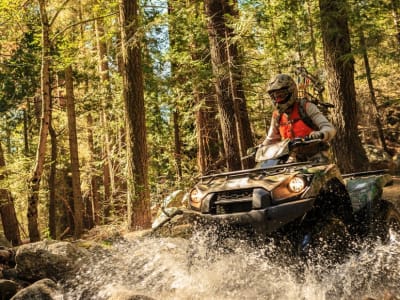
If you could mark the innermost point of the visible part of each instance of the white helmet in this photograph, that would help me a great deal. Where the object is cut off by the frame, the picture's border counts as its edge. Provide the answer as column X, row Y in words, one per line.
column 283, row 91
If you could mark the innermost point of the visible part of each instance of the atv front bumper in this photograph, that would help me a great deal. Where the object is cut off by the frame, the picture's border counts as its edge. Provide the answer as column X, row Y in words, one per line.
column 264, row 220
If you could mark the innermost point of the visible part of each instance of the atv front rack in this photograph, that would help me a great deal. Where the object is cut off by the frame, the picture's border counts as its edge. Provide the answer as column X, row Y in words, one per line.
column 282, row 167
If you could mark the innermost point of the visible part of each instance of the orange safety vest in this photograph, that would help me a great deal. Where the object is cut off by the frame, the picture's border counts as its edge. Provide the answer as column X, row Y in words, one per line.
column 292, row 126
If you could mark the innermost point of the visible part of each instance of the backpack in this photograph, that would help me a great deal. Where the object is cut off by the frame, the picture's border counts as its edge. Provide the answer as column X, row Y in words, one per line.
column 303, row 114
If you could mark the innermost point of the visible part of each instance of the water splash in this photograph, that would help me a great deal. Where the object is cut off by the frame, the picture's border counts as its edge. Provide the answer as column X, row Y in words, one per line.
column 175, row 268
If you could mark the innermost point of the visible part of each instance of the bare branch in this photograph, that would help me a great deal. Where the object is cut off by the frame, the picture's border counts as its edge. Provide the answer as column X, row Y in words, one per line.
column 58, row 12
column 81, row 22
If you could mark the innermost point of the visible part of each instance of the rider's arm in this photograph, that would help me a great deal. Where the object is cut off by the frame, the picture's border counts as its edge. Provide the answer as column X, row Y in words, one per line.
column 320, row 121
column 273, row 135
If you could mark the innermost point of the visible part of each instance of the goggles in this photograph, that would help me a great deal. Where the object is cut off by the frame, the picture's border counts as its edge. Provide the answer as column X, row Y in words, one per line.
column 279, row 95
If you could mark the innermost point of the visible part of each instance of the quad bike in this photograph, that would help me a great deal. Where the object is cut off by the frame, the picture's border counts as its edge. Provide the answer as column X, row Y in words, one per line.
column 308, row 203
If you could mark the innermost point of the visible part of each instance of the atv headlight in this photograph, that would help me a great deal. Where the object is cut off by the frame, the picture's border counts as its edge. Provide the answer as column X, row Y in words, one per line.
column 296, row 184
column 195, row 198
column 289, row 188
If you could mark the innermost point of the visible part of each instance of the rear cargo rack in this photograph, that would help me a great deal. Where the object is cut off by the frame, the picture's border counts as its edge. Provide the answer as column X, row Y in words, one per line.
column 366, row 173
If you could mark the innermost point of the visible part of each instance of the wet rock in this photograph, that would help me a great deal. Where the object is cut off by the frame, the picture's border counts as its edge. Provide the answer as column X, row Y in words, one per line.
column 181, row 224
column 7, row 256
column 379, row 159
column 47, row 259
column 128, row 295
column 44, row 289
column 8, row 288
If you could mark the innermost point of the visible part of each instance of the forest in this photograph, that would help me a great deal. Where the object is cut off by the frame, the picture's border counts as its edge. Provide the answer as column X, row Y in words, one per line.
column 107, row 107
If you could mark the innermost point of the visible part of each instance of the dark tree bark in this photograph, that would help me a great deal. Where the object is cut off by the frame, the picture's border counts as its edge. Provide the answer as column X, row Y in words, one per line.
column 74, row 157
column 7, row 209
column 207, row 134
column 52, row 184
column 178, row 145
column 220, row 63
column 235, row 58
column 139, row 215
column 339, row 63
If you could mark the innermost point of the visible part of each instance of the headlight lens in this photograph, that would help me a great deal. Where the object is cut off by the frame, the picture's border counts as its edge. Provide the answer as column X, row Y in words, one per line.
column 195, row 196
column 296, row 184
column 195, row 199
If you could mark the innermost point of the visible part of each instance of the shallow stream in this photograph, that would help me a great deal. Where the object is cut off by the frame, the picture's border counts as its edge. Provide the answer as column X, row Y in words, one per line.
column 175, row 268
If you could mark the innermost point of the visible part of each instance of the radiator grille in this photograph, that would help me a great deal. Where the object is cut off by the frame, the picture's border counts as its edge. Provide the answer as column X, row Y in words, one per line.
column 227, row 202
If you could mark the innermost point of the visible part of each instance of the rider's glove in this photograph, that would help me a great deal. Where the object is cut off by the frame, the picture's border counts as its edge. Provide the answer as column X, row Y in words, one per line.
column 316, row 135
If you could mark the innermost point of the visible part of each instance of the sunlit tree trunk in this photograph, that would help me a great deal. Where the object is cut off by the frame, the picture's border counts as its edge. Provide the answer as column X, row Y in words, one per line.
column 26, row 111
column 339, row 63
column 106, row 104
column 34, row 181
column 94, row 209
column 139, row 215
column 74, row 157
column 7, row 209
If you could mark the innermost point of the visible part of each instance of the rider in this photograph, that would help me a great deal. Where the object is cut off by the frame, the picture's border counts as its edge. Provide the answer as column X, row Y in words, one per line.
column 287, row 120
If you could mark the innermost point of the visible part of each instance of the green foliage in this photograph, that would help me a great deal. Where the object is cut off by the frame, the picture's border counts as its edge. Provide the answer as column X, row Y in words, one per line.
column 19, row 73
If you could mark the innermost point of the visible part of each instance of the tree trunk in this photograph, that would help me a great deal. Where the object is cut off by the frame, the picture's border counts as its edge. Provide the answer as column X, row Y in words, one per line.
column 26, row 128
column 178, row 146
column 73, row 148
column 52, row 184
column 339, row 63
column 220, row 65
column 34, row 181
column 207, row 136
column 7, row 209
column 313, row 42
column 106, row 103
column 375, row 111
column 94, row 211
column 245, row 136
column 139, row 215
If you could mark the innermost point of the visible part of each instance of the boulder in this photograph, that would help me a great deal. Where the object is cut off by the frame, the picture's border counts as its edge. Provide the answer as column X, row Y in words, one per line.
column 44, row 289
column 47, row 259
column 8, row 288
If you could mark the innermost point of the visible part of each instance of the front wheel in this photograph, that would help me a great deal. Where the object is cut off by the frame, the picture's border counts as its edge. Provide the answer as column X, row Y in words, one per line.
column 392, row 222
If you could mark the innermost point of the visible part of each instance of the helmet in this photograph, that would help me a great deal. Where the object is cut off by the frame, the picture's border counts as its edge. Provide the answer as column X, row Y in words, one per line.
column 283, row 91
